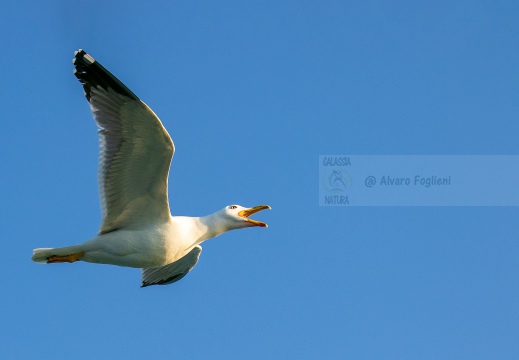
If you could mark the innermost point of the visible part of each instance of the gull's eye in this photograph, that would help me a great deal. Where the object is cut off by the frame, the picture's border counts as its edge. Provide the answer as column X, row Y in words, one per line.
column 233, row 207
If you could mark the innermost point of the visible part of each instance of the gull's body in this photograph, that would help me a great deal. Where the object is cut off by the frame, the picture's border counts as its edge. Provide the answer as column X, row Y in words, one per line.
column 137, row 229
column 149, row 246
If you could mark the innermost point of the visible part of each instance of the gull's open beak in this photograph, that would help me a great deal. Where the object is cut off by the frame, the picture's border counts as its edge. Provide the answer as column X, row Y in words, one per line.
column 248, row 212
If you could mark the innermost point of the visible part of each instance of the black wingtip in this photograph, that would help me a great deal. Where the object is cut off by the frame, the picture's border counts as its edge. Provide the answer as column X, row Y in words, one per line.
column 81, row 57
column 93, row 75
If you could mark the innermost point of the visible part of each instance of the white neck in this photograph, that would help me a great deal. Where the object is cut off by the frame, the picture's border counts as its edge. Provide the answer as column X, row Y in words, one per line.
column 214, row 225
column 202, row 228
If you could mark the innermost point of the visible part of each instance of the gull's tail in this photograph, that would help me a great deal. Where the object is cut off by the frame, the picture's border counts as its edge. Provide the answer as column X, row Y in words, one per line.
column 45, row 255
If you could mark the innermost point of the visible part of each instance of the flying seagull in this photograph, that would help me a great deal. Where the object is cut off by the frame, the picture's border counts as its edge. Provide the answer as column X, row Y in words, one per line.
column 135, row 152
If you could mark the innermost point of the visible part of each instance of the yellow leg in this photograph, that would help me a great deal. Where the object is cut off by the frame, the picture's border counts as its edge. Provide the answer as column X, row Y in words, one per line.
column 65, row 258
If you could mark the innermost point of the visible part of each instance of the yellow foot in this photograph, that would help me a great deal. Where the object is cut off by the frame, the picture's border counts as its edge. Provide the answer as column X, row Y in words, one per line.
column 65, row 258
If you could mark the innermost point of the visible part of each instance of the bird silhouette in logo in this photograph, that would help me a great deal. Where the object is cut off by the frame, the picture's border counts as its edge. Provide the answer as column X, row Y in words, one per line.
column 336, row 181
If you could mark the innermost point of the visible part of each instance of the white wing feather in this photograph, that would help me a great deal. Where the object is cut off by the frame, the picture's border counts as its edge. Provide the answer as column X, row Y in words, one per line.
column 173, row 272
column 135, row 150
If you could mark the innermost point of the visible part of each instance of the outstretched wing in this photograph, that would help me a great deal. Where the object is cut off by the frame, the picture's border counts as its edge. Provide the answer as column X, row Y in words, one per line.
column 173, row 272
column 135, row 150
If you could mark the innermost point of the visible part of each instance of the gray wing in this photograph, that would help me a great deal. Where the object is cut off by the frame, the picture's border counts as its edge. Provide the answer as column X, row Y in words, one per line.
column 135, row 150
column 173, row 272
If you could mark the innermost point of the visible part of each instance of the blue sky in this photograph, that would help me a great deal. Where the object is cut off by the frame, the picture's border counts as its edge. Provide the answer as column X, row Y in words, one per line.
column 252, row 93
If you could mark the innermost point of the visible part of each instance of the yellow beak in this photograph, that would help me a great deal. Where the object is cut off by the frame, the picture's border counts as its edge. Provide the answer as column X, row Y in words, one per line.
column 248, row 212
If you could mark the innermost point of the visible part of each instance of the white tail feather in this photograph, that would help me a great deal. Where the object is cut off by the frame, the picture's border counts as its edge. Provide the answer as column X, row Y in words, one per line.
column 41, row 255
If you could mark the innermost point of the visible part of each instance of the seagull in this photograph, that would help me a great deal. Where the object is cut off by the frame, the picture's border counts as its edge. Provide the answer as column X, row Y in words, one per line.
column 135, row 152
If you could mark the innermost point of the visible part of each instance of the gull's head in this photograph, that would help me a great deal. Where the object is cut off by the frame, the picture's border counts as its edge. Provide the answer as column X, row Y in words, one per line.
column 237, row 216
